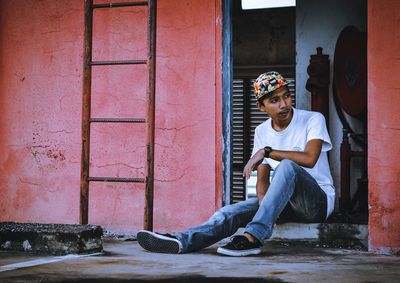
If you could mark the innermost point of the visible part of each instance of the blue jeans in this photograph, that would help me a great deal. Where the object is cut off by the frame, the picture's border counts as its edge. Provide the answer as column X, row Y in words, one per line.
column 291, row 187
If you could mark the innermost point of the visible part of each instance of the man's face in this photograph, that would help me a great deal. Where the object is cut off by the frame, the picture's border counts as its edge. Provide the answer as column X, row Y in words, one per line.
column 278, row 105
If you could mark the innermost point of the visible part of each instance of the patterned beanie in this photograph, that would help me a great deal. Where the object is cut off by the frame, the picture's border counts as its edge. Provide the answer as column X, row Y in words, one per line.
column 267, row 83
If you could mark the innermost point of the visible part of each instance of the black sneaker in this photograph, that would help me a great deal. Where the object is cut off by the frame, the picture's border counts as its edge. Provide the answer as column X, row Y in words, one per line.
column 159, row 243
column 240, row 246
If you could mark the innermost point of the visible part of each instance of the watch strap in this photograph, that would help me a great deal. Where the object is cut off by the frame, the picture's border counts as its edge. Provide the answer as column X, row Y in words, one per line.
column 267, row 151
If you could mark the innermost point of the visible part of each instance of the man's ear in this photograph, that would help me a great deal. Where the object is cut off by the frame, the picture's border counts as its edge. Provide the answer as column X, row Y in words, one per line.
column 260, row 107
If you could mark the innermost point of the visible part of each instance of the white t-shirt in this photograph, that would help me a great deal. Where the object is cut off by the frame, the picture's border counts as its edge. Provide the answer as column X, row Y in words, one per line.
column 304, row 126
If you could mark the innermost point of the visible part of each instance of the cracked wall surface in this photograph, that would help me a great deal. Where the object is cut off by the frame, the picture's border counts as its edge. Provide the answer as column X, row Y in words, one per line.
column 383, row 127
column 40, row 103
column 40, row 109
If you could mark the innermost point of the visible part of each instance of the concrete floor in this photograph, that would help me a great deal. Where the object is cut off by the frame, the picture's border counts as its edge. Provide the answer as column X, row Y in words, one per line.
column 280, row 262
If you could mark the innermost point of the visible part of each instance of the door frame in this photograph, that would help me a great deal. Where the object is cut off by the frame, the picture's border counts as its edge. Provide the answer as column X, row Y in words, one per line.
column 227, row 101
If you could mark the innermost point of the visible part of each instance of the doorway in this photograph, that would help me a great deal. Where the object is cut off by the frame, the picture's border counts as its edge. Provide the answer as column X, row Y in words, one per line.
column 281, row 39
column 262, row 40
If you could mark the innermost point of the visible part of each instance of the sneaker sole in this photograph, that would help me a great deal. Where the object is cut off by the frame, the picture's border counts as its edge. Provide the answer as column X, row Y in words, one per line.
column 224, row 251
column 158, row 243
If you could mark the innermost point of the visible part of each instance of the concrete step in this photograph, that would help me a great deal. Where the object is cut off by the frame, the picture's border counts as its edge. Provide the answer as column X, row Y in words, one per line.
column 56, row 239
column 336, row 235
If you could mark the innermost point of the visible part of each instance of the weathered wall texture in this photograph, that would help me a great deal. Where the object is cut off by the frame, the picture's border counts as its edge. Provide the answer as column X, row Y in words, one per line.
column 383, row 127
column 41, row 47
column 40, row 126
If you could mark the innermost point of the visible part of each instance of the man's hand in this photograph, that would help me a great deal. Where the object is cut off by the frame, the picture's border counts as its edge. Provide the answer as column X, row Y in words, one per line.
column 253, row 163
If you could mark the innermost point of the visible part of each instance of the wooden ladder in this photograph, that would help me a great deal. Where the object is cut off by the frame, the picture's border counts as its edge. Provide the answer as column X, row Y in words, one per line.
column 87, row 120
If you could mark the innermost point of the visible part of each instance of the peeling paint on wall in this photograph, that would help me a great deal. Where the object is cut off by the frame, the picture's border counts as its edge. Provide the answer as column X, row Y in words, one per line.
column 40, row 107
column 383, row 129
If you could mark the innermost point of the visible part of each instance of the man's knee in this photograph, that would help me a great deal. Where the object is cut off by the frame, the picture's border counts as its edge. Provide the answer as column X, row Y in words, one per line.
column 238, row 208
column 228, row 209
column 287, row 164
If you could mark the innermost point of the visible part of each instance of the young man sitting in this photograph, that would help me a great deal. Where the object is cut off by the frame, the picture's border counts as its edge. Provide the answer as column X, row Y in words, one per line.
column 292, row 142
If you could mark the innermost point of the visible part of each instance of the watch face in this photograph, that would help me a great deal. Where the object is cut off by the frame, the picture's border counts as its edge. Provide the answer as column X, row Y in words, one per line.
column 350, row 71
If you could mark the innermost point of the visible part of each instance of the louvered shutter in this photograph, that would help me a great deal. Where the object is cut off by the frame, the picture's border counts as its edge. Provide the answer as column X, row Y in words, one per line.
column 246, row 117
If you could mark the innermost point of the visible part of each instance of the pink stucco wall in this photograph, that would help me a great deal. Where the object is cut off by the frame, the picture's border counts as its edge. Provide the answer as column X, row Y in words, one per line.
column 40, row 107
column 384, row 124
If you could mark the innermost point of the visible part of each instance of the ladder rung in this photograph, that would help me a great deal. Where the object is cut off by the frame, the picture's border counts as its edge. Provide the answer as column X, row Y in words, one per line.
column 121, row 180
column 115, row 5
column 121, row 62
column 116, row 120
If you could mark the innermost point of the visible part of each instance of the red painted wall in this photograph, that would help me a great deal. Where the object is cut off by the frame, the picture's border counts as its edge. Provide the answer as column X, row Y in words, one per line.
column 41, row 48
column 384, row 124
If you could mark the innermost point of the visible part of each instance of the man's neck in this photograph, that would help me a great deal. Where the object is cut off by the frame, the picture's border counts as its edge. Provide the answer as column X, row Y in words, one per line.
column 281, row 125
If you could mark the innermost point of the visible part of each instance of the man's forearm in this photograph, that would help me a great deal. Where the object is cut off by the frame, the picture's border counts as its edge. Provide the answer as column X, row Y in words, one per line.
column 301, row 158
column 306, row 158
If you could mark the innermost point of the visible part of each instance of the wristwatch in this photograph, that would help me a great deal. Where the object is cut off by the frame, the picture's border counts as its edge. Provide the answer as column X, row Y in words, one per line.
column 267, row 151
